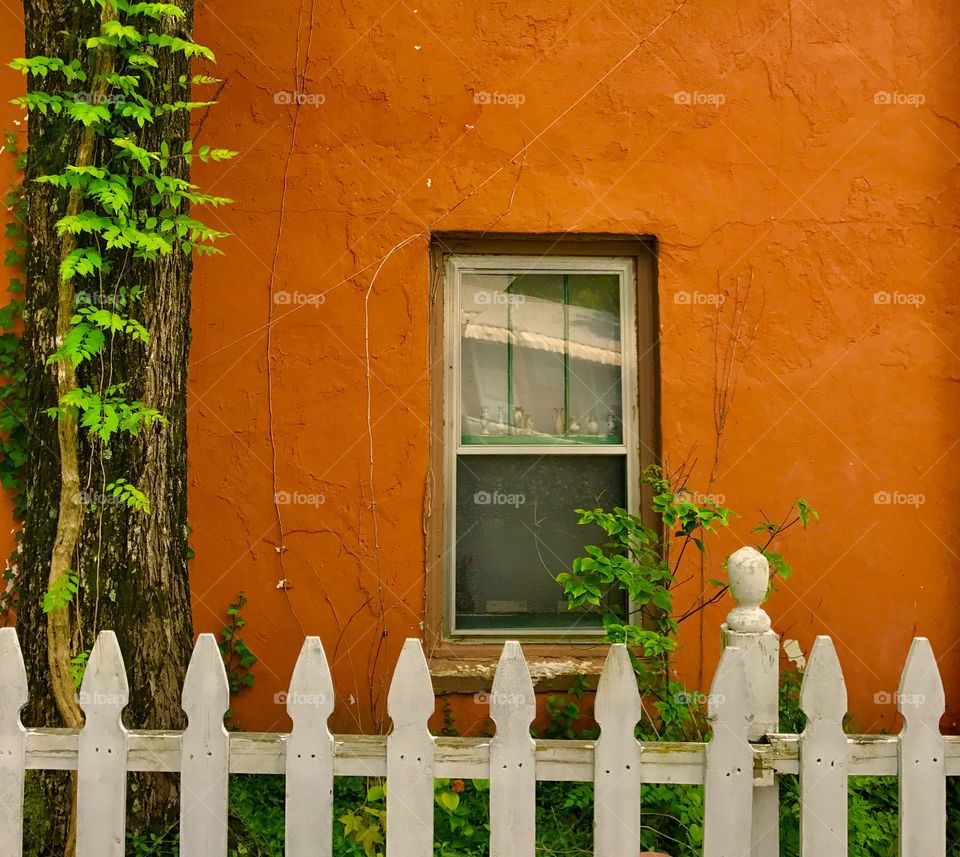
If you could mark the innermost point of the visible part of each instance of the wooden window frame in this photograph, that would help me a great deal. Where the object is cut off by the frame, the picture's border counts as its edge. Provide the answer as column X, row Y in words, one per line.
column 642, row 251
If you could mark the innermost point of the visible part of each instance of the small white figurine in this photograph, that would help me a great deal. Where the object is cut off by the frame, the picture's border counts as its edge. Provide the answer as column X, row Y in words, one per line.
column 592, row 425
column 558, row 421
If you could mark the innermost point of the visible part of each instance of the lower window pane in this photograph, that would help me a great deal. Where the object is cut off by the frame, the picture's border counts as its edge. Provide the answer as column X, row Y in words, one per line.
column 517, row 529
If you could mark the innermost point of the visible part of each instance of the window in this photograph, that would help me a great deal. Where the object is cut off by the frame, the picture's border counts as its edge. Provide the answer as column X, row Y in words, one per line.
column 542, row 416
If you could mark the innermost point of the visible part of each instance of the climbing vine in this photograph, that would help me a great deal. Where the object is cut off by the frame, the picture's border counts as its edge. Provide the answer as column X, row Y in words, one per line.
column 124, row 202
column 13, row 448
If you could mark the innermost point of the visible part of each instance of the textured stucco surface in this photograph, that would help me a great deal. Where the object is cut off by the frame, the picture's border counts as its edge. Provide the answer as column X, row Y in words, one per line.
column 799, row 179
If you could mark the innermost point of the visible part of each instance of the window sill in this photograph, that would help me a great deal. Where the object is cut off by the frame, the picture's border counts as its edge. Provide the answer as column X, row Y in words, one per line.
column 470, row 667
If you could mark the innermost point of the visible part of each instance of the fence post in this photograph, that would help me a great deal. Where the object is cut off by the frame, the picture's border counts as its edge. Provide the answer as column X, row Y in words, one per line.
column 748, row 628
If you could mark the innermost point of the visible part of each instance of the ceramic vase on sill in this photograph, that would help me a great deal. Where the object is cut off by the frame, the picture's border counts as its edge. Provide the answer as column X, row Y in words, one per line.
column 558, row 421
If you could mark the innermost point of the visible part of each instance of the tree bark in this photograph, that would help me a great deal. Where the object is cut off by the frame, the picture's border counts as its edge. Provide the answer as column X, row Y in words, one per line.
column 132, row 567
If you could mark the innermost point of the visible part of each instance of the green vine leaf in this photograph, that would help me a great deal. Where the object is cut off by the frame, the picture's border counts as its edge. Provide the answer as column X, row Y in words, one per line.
column 131, row 496
column 61, row 592
column 111, row 321
column 42, row 66
column 88, row 114
column 105, row 415
column 41, row 102
column 82, row 261
column 177, row 45
column 81, row 343
column 78, row 667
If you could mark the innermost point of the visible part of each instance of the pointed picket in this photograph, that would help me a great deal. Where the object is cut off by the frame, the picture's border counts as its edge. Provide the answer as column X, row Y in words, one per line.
column 921, row 754
column 204, row 754
column 309, row 756
column 512, row 757
column 13, row 696
column 410, row 755
column 823, row 755
column 616, row 812
column 102, row 755
column 728, row 779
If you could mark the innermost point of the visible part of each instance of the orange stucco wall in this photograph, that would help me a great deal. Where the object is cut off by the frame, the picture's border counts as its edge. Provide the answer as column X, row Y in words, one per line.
column 808, row 149
column 12, row 120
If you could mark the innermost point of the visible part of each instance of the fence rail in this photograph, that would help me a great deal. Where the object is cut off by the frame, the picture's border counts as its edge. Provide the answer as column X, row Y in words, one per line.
column 738, row 768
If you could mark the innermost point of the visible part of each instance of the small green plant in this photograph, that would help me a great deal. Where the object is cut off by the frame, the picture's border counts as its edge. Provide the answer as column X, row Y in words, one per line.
column 639, row 565
column 238, row 659
column 564, row 711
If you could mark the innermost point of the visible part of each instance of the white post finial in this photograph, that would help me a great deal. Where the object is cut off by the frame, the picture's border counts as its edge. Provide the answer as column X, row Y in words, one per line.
column 748, row 628
column 749, row 575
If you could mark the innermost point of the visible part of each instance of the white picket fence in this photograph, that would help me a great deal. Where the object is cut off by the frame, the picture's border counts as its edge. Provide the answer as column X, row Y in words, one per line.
column 738, row 772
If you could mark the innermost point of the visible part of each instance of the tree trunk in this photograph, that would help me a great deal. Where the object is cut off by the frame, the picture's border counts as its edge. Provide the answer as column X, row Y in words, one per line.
column 132, row 566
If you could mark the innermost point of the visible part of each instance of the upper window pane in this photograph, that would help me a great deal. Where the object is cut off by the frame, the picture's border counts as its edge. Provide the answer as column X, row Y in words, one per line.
column 540, row 359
